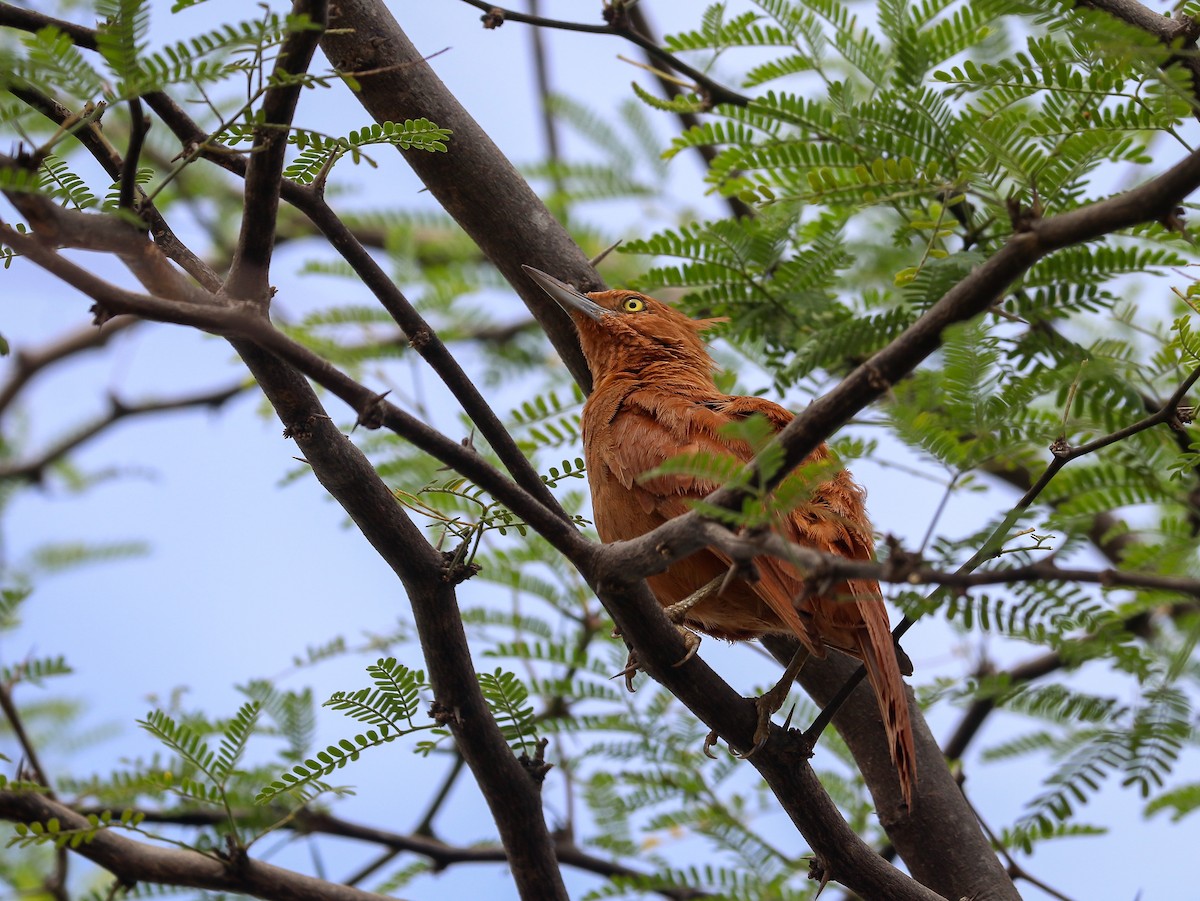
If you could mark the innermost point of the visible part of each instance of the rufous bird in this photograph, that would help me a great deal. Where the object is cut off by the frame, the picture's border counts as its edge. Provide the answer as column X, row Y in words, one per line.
column 653, row 398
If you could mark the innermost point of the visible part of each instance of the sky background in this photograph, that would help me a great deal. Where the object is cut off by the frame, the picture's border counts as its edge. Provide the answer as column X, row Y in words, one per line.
column 245, row 572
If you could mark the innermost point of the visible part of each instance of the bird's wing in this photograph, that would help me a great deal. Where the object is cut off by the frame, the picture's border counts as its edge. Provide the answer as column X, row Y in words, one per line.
column 654, row 427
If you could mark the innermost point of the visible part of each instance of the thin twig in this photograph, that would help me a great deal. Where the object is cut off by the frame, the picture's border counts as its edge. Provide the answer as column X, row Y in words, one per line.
column 717, row 93
column 138, row 126
column 28, row 364
column 1015, row 870
column 34, row 469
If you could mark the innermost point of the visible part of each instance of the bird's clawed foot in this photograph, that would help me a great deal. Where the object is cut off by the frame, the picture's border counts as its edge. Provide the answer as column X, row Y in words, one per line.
column 677, row 614
column 772, row 700
column 632, row 665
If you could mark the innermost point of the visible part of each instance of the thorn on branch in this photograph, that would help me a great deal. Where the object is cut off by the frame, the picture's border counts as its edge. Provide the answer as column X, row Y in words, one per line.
column 1023, row 218
column 25, row 158
column 817, row 871
column 596, row 260
column 371, row 415
column 493, row 18
column 536, row 766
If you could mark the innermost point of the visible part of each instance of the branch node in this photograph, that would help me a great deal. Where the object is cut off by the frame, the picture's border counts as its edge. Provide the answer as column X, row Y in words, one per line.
column 443, row 715
column 616, row 15
column 1023, row 218
column 420, row 340
column 1185, row 414
column 1061, row 448
column 100, row 314
column 536, row 766
column 454, row 570
column 1175, row 221
column 875, row 377
column 303, row 431
column 493, row 18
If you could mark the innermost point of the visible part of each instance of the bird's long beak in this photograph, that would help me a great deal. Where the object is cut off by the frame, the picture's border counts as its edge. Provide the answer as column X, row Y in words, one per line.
column 566, row 296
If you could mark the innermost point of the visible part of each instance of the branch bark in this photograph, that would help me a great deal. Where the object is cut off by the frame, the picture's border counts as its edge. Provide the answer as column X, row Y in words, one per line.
column 475, row 183
column 133, row 861
column 249, row 272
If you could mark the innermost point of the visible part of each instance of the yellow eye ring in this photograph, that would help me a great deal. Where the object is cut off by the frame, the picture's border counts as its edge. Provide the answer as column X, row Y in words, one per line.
column 633, row 305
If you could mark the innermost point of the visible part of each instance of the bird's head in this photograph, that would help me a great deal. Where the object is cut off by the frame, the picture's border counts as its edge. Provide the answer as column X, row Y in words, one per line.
column 628, row 332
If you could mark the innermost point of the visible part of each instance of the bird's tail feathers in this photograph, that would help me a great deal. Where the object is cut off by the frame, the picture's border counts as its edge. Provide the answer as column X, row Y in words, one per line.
column 883, row 672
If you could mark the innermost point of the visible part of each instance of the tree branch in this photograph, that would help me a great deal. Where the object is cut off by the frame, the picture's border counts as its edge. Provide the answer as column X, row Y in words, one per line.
column 619, row 27
column 249, row 271
column 34, row 470
column 512, row 796
column 638, row 22
column 132, row 861
column 27, row 364
column 441, row 854
column 476, row 184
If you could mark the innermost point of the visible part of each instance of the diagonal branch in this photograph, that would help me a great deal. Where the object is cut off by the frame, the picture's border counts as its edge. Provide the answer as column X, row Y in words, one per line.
column 441, row 854
column 34, row 470
column 476, row 183
column 312, row 203
column 717, row 93
column 249, row 272
column 28, row 364
column 639, row 22
column 93, row 138
column 133, row 861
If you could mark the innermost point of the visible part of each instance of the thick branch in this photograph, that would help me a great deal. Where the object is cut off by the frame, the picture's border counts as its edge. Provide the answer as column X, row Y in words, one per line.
column 439, row 853
column 133, row 861
column 512, row 795
column 475, row 182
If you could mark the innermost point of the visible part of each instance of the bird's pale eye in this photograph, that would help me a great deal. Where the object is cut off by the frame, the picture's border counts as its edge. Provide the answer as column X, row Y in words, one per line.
column 633, row 305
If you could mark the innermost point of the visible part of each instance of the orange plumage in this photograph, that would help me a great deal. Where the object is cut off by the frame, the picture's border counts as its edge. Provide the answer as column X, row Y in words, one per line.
column 653, row 398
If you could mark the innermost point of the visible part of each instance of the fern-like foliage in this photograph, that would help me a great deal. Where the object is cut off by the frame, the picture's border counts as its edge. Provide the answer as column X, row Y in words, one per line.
column 508, row 700
column 389, row 706
column 318, row 153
